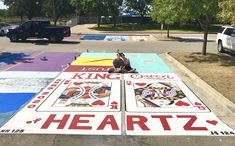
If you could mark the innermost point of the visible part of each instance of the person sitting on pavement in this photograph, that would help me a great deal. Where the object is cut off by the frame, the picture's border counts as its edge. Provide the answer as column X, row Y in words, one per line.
column 118, row 65
column 127, row 63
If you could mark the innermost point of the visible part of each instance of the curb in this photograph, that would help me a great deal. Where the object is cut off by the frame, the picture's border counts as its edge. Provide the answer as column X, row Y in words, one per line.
column 201, row 83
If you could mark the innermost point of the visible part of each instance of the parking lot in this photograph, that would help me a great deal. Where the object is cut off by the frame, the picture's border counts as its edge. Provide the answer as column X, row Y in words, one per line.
column 188, row 44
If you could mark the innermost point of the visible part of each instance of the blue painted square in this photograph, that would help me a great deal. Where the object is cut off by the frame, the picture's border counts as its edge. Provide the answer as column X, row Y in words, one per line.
column 93, row 37
column 10, row 103
column 13, row 101
column 148, row 63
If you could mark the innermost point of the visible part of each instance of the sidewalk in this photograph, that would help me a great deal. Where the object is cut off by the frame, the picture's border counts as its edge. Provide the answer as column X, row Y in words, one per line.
column 84, row 29
column 184, row 36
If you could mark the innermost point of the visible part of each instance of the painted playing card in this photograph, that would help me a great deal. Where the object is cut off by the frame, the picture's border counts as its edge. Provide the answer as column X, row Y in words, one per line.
column 161, row 96
column 84, row 95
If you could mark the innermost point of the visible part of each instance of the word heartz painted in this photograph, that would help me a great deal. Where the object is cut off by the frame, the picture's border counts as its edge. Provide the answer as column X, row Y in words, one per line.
column 165, row 124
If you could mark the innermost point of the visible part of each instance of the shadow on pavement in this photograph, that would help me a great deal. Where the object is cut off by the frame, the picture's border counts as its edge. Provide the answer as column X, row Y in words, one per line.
column 180, row 39
column 224, row 60
column 13, row 58
column 46, row 42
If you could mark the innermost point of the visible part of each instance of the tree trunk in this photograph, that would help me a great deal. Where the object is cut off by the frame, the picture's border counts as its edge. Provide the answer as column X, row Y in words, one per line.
column 204, row 23
column 168, row 31
column 142, row 19
column 114, row 21
column 98, row 21
column 55, row 21
column 21, row 18
column 205, row 39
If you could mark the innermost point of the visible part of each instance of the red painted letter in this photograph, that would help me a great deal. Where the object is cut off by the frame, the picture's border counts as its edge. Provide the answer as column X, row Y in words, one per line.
column 51, row 119
column 109, row 119
column 78, row 76
column 140, row 121
column 188, row 125
column 164, row 121
column 77, row 119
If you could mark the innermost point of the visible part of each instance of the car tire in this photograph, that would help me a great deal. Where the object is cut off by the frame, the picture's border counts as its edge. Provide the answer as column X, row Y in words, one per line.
column 2, row 33
column 60, row 39
column 220, row 47
column 23, row 39
column 53, row 39
column 14, row 38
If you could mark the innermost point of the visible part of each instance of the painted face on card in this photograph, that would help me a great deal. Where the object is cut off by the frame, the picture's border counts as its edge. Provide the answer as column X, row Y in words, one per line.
column 161, row 96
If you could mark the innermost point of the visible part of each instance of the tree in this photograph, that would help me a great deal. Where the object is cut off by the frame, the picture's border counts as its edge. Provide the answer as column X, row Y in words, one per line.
column 142, row 7
column 78, row 5
column 166, row 12
column 203, row 11
column 97, row 7
column 227, row 11
column 3, row 12
column 29, row 8
column 57, row 9
column 113, row 8
column 195, row 10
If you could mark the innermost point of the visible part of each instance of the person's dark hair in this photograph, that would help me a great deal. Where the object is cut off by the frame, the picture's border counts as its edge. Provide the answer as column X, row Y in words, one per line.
column 121, row 54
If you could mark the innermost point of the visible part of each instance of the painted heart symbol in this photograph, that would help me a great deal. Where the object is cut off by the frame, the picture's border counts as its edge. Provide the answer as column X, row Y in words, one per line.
column 98, row 103
column 140, row 84
column 197, row 103
column 77, row 83
column 181, row 103
column 212, row 122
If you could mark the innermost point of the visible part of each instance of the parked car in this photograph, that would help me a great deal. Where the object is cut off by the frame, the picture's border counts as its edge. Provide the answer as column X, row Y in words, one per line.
column 3, row 24
column 38, row 29
column 226, row 39
column 4, row 29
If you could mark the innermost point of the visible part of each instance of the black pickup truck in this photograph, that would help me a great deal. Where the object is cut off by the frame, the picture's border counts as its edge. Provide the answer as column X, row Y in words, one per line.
column 38, row 29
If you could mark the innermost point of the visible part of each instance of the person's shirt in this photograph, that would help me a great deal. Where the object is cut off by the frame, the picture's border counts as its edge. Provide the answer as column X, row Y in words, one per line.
column 118, row 63
column 126, row 61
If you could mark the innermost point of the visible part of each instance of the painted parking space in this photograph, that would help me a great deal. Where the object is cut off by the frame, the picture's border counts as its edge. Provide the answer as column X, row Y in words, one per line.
column 93, row 37
column 112, row 38
column 26, row 75
column 11, row 58
column 116, row 38
column 17, row 88
column 85, row 102
column 46, row 62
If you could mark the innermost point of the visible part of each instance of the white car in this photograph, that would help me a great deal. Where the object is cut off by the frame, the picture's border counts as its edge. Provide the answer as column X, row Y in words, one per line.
column 226, row 39
column 4, row 29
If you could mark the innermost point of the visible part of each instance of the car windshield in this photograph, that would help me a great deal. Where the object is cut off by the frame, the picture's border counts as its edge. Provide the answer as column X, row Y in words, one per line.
column 221, row 30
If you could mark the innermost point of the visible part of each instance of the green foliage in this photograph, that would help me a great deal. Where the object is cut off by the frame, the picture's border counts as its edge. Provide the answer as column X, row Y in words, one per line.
column 3, row 12
column 97, row 7
column 227, row 11
column 113, row 6
column 142, row 7
column 29, row 8
column 57, row 9
column 167, row 11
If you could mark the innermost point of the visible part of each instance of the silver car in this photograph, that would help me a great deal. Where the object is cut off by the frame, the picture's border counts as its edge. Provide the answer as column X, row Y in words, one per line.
column 4, row 29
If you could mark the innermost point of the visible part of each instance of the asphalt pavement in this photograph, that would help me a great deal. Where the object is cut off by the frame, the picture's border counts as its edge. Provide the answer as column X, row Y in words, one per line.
column 156, row 46
column 159, row 47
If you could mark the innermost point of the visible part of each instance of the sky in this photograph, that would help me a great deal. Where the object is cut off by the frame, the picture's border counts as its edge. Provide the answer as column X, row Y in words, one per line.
column 2, row 6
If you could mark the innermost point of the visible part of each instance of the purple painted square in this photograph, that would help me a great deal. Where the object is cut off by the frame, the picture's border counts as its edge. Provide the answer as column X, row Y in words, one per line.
column 47, row 61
